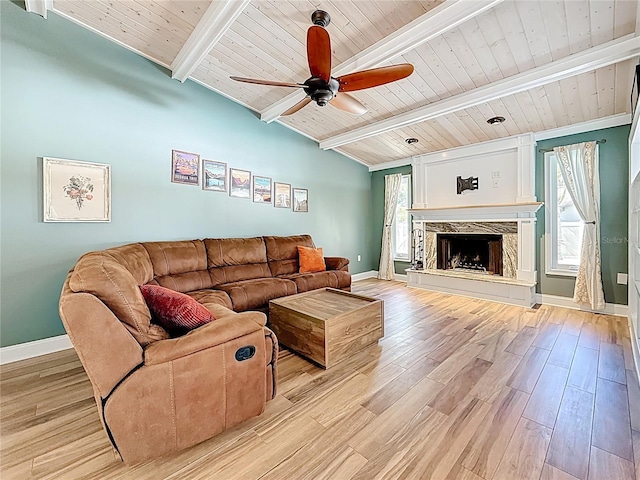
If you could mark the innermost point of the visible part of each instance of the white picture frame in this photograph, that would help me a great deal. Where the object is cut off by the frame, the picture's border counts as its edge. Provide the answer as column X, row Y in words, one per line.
column 76, row 191
column 300, row 200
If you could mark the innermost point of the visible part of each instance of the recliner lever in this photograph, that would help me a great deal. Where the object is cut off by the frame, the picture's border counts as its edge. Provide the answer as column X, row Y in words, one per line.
column 245, row 353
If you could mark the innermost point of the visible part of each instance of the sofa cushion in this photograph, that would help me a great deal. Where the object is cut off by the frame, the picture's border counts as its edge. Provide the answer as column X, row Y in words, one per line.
column 236, row 259
column 209, row 297
column 100, row 274
column 174, row 311
column 180, row 266
column 311, row 259
column 256, row 293
column 282, row 253
column 343, row 277
column 135, row 259
column 312, row 281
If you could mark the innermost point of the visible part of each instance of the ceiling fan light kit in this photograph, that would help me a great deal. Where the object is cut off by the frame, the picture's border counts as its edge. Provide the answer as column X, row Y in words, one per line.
column 321, row 87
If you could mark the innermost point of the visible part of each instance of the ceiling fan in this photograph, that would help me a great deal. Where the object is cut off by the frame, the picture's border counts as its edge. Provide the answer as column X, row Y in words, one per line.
column 321, row 87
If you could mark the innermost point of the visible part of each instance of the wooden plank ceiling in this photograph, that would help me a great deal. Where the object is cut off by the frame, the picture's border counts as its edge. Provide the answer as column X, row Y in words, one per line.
column 267, row 41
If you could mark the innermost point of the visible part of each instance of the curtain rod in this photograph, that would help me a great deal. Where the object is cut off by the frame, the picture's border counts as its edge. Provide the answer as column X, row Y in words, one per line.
column 545, row 150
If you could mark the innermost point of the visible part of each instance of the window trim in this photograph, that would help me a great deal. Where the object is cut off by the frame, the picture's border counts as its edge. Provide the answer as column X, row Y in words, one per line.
column 551, row 247
column 406, row 259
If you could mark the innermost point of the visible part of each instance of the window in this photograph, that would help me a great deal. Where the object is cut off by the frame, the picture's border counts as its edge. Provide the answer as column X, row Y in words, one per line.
column 563, row 239
column 401, row 223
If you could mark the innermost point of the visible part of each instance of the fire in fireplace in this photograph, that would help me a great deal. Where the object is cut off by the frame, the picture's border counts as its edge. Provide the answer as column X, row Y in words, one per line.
column 477, row 253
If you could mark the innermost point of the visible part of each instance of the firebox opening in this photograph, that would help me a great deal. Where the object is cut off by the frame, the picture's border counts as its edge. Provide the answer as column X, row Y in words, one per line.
column 470, row 253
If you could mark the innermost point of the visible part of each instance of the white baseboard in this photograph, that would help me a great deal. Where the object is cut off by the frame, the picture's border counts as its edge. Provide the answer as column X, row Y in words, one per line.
column 374, row 274
column 364, row 275
column 567, row 302
column 22, row 351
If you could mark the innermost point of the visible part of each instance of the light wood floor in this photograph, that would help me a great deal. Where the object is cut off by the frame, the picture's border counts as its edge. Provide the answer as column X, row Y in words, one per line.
column 457, row 389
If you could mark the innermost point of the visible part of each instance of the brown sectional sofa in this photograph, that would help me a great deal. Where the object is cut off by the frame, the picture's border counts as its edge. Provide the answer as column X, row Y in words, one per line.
column 241, row 273
column 157, row 394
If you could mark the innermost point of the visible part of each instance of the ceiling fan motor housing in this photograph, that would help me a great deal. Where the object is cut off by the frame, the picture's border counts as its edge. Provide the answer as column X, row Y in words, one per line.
column 320, row 91
column 320, row 17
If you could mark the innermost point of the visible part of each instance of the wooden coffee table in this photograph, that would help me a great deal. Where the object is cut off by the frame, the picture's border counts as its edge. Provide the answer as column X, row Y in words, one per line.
column 327, row 325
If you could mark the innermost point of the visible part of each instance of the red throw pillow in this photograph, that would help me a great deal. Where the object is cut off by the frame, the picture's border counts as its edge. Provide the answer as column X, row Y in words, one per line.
column 176, row 312
column 311, row 260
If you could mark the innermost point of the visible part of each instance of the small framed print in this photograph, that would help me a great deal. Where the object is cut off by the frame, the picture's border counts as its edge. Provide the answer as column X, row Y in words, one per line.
column 282, row 195
column 185, row 167
column 240, row 183
column 214, row 176
column 261, row 189
column 76, row 191
column 300, row 200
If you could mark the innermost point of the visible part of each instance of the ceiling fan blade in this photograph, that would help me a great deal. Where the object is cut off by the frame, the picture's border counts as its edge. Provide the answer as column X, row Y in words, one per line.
column 346, row 102
column 268, row 82
column 374, row 77
column 319, row 52
column 297, row 106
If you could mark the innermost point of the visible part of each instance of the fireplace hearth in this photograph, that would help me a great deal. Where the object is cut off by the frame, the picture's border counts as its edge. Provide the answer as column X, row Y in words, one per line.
column 475, row 253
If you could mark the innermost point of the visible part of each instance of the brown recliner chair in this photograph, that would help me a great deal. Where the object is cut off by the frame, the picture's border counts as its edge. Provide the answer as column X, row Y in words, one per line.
column 157, row 394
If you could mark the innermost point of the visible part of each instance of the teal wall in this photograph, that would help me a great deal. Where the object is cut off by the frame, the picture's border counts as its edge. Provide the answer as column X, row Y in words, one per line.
column 614, row 191
column 377, row 207
column 69, row 93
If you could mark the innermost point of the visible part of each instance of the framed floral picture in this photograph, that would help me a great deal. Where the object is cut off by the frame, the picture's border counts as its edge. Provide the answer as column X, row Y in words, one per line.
column 76, row 191
column 282, row 195
column 214, row 176
column 300, row 200
column 240, row 184
column 261, row 189
column 185, row 167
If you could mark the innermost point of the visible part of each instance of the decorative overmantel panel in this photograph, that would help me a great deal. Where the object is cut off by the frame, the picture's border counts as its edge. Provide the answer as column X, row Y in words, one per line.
column 505, row 169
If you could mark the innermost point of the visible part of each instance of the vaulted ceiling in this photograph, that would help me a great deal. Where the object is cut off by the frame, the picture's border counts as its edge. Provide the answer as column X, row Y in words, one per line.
column 540, row 64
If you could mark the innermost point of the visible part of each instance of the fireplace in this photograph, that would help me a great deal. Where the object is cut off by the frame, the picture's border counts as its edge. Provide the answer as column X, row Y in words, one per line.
column 476, row 253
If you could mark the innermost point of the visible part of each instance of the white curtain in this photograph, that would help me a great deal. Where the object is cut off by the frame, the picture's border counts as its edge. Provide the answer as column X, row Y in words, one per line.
column 579, row 167
column 386, row 270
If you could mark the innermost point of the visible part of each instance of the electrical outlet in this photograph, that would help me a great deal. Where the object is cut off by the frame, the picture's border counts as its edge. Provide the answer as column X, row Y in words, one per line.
column 359, row 257
column 622, row 279
column 496, row 183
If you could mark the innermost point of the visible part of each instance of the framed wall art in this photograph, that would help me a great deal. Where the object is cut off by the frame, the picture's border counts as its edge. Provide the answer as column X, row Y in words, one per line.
column 185, row 167
column 282, row 195
column 214, row 176
column 300, row 200
column 261, row 189
column 240, row 183
column 76, row 191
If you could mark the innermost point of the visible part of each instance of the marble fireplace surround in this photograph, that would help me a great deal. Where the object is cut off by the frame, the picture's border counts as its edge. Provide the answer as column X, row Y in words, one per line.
column 515, row 222
column 508, row 230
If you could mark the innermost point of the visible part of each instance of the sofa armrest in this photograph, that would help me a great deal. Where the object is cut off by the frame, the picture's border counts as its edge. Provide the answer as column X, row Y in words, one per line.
column 337, row 263
column 215, row 333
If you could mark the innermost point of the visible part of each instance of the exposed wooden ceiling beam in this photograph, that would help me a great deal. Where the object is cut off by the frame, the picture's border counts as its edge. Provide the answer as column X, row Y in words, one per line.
column 212, row 26
column 588, row 60
column 435, row 22
column 41, row 7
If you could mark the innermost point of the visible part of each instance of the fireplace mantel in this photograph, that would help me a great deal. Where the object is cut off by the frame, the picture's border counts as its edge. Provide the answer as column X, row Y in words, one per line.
column 492, row 213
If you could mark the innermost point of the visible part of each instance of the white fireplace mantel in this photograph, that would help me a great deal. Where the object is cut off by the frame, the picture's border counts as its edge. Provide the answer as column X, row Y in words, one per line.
column 475, row 213
column 519, row 292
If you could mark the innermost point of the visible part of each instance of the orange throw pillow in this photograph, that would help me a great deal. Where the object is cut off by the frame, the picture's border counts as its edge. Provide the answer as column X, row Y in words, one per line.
column 311, row 260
